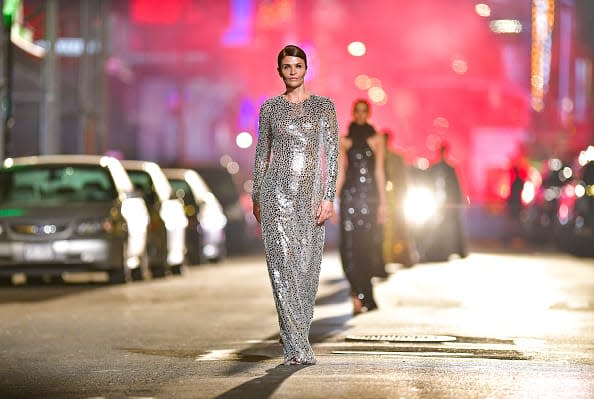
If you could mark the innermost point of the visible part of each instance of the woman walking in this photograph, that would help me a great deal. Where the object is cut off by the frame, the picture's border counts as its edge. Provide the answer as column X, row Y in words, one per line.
column 293, row 196
column 361, row 185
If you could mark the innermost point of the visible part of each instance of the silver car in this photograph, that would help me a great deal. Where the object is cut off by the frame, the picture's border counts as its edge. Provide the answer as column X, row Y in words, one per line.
column 167, row 228
column 205, row 238
column 67, row 213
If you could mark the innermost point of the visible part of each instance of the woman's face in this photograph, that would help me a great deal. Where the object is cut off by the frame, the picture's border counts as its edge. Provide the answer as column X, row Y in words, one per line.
column 360, row 113
column 292, row 70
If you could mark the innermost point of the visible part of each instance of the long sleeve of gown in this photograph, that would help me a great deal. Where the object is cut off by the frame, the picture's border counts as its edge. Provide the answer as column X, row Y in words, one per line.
column 262, row 157
column 330, row 133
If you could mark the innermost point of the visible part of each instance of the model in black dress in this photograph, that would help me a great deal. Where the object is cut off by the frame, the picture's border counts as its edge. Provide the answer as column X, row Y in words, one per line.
column 362, row 207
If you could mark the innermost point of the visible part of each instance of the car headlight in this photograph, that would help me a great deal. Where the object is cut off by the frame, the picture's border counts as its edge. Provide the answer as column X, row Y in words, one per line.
column 94, row 226
column 419, row 205
column 172, row 213
column 136, row 215
column 213, row 221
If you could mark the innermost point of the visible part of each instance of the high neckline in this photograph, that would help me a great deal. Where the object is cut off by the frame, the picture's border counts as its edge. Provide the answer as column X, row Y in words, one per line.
column 296, row 103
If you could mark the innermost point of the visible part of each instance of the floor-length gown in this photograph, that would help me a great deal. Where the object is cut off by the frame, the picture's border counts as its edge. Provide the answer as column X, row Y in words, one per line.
column 295, row 169
column 360, row 248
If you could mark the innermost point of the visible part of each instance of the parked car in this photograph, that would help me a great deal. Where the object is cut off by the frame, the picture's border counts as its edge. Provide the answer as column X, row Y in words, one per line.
column 220, row 181
column 167, row 228
column 70, row 213
column 539, row 215
column 435, row 222
column 205, row 236
column 575, row 214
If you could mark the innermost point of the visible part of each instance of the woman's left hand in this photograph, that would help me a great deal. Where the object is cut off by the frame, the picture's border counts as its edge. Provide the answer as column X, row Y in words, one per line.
column 382, row 213
column 325, row 211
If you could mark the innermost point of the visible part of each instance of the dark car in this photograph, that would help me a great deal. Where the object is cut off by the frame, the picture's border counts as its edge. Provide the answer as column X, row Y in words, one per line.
column 433, row 220
column 540, row 215
column 575, row 213
column 220, row 181
column 205, row 236
column 70, row 213
column 167, row 228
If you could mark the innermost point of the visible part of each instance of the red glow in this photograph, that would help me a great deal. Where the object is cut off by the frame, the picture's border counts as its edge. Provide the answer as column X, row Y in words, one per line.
column 156, row 11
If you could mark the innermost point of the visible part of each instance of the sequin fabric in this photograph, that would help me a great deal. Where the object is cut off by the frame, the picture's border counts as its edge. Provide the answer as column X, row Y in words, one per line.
column 360, row 246
column 295, row 168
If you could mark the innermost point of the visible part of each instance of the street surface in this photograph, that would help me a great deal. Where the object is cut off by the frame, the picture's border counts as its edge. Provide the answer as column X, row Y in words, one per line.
column 493, row 325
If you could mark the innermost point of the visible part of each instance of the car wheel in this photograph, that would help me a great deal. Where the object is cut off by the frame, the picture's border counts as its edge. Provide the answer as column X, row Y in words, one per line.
column 142, row 272
column 5, row 280
column 122, row 274
column 194, row 257
column 35, row 280
column 177, row 269
column 159, row 271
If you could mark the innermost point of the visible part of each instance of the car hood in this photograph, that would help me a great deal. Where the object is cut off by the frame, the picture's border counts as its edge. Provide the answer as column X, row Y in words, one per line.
column 56, row 212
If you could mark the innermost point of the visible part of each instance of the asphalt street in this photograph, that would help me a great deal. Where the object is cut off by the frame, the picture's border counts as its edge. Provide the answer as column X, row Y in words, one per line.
column 493, row 325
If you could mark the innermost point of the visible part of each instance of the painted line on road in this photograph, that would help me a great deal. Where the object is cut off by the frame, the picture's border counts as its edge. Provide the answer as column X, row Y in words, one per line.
column 218, row 354
column 409, row 354
column 105, row 371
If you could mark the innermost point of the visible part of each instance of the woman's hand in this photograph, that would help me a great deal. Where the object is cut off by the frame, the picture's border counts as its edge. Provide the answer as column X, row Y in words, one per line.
column 256, row 211
column 325, row 211
column 382, row 213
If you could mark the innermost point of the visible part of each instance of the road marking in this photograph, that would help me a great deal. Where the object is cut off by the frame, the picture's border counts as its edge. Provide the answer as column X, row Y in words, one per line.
column 217, row 354
column 416, row 354
column 105, row 371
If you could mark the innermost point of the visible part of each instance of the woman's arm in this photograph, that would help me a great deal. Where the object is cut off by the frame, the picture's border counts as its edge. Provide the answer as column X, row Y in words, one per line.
column 380, row 175
column 331, row 152
column 330, row 139
column 342, row 164
column 262, row 157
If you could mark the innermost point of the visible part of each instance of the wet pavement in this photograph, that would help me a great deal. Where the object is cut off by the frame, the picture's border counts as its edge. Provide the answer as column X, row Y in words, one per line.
column 493, row 325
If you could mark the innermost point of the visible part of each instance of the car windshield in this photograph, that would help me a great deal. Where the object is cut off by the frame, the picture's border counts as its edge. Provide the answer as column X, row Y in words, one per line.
column 182, row 190
column 41, row 184
column 142, row 181
column 221, row 184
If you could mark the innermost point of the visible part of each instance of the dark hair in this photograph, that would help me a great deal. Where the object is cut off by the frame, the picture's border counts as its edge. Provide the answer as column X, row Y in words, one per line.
column 361, row 101
column 291, row 51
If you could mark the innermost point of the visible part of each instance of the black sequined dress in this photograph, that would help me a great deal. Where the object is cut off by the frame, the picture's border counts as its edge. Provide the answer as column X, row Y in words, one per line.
column 360, row 249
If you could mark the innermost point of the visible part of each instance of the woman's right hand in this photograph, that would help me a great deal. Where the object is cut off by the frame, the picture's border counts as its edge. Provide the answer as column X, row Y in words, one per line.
column 256, row 211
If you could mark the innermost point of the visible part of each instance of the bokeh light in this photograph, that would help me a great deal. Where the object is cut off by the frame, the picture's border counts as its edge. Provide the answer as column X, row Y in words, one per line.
column 244, row 140
column 363, row 82
column 224, row 160
column 233, row 167
column 482, row 9
column 459, row 66
column 377, row 95
column 357, row 49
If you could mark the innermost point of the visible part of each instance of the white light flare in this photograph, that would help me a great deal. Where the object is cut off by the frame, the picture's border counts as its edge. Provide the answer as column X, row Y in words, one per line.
column 501, row 26
column 482, row 10
column 357, row 49
column 244, row 140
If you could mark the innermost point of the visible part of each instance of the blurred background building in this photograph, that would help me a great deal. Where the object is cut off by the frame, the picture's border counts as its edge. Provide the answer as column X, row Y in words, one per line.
column 180, row 82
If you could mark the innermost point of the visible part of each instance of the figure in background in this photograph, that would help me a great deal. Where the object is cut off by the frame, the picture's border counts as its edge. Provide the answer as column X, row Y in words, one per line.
column 361, row 187
column 293, row 197
column 450, row 235
column 398, row 245
column 513, row 231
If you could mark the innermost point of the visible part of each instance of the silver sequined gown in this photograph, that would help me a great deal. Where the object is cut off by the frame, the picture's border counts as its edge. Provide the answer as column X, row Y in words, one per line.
column 295, row 168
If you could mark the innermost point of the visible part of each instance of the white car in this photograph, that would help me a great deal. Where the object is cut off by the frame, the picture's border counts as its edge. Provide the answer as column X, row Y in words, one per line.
column 70, row 213
column 206, row 232
column 167, row 228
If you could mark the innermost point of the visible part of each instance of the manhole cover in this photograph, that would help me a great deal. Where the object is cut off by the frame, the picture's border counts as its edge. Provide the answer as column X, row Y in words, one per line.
column 401, row 338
